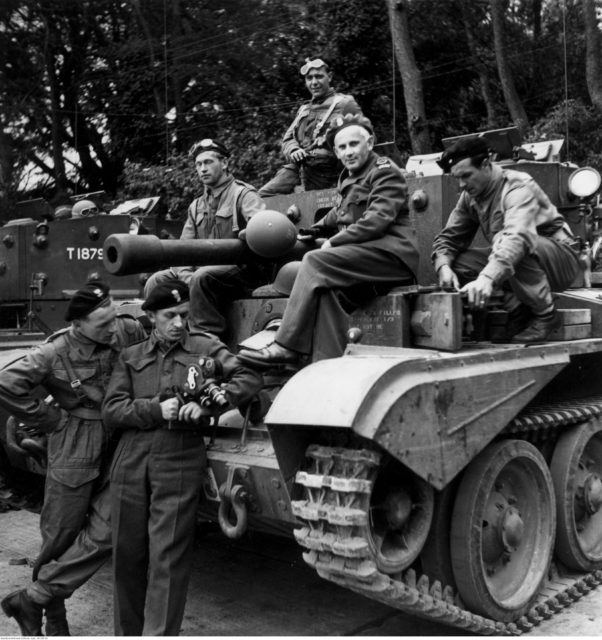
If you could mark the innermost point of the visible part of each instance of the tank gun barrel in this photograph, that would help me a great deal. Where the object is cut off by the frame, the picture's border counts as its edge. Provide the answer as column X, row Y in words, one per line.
column 126, row 254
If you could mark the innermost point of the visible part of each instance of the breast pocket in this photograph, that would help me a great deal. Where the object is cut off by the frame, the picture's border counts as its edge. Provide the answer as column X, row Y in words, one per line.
column 224, row 223
column 357, row 203
column 83, row 374
column 143, row 376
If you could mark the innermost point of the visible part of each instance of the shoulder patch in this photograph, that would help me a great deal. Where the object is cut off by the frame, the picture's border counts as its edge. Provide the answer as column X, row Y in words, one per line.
column 56, row 334
column 383, row 162
column 245, row 185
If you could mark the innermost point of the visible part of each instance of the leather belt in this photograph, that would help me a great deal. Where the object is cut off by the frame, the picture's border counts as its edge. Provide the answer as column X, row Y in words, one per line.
column 87, row 413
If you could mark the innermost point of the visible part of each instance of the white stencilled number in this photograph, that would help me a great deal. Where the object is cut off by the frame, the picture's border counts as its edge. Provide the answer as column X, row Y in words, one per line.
column 84, row 253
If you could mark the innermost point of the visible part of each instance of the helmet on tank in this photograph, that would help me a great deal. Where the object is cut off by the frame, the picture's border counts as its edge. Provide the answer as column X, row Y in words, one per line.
column 270, row 234
column 83, row 208
column 63, row 212
column 283, row 283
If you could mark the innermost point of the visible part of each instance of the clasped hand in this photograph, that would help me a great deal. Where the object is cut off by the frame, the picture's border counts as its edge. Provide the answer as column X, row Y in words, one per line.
column 478, row 292
column 189, row 412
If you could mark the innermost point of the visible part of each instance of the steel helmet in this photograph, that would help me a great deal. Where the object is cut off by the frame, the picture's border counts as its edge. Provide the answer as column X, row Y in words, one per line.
column 270, row 234
column 285, row 278
column 63, row 212
column 83, row 208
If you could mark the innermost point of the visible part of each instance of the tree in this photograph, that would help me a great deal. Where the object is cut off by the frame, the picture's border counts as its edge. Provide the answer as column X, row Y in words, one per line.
column 410, row 76
column 593, row 53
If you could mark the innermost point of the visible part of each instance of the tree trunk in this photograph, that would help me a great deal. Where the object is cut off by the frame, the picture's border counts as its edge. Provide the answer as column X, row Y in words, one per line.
column 6, row 171
column 467, row 9
column 410, row 77
column 593, row 53
column 513, row 101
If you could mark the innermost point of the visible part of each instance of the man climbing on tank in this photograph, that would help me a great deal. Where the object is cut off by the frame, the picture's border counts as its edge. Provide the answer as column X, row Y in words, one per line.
column 304, row 144
column 531, row 251
column 221, row 212
column 74, row 365
column 157, row 474
column 371, row 245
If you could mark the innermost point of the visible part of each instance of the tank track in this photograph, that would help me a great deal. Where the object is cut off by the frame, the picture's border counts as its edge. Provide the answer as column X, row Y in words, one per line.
column 335, row 533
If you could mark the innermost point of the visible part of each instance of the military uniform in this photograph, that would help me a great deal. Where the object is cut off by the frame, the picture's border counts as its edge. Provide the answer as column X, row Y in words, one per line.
column 531, row 250
column 220, row 213
column 373, row 245
column 77, row 441
column 307, row 132
column 156, row 479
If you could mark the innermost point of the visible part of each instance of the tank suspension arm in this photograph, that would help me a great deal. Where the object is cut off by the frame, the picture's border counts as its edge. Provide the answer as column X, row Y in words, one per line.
column 126, row 254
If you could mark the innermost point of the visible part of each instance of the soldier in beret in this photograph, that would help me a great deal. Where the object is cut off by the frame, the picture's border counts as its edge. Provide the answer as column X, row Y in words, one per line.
column 74, row 366
column 221, row 212
column 371, row 247
column 532, row 251
column 160, row 459
column 304, row 143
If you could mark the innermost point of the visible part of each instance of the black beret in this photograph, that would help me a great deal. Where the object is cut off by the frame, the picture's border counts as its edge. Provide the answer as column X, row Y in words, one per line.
column 170, row 293
column 208, row 144
column 92, row 295
column 471, row 147
column 349, row 119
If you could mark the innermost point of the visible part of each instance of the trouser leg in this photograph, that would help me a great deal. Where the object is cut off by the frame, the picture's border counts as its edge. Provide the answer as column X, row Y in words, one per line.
column 335, row 268
column 90, row 550
column 320, row 176
column 178, row 459
column 213, row 288
column 62, row 518
column 285, row 181
column 129, row 517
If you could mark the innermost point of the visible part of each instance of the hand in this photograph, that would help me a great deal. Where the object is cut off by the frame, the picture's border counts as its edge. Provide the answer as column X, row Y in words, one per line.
column 169, row 409
column 478, row 292
column 326, row 245
column 298, row 156
column 191, row 412
column 304, row 237
column 447, row 278
column 242, row 235
column 11, row 437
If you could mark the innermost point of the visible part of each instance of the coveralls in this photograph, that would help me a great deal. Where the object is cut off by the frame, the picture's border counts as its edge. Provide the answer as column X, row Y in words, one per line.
column 156, row 478
column 220, row 213
column 307, row 132
column 373, row 249
column 531, row 251
column 78, row 448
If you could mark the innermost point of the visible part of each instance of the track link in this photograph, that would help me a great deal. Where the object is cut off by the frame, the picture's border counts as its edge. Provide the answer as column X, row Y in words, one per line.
column 337, row 540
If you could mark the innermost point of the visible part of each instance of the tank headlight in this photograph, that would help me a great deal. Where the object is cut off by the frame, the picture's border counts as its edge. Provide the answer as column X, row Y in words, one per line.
column 584, row 182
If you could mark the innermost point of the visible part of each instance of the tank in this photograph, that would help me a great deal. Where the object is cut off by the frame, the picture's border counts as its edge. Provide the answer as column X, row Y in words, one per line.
column 428, row 468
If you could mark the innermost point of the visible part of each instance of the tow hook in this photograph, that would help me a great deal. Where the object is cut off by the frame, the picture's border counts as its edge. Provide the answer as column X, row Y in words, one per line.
column 233, row 514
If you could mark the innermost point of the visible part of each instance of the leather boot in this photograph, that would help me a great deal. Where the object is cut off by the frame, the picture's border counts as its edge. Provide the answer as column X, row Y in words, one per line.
column 539, row 330
column 56, row 618
column 26, row 612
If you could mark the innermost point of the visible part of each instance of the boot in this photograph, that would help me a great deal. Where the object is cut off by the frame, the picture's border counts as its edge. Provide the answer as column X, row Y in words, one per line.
column 56, row 618
column 539, row 330
column 26, row 612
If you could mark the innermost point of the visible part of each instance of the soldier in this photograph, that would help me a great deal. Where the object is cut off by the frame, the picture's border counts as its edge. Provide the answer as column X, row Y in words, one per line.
column 531, row 251
column 370, row 243
column 221, row 212
column 74, row 366
column 159, row 462
column 304, row 143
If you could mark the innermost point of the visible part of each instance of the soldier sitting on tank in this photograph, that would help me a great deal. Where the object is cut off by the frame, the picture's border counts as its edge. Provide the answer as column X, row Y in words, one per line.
column 74, row 365
column 220, row 213
column 371, row 242
column 531, row 250
column 304, row 143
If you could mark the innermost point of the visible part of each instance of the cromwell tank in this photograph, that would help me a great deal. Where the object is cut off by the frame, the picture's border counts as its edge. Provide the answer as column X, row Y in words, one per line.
column 429, row 468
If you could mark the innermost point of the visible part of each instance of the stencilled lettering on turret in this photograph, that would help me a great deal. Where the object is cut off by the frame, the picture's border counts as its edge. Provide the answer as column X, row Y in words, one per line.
column 84, row 253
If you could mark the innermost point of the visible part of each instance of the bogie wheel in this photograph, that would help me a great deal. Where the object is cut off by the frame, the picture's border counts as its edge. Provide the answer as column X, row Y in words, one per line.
column 401, row 510
column 503, row 528
column 577, row 471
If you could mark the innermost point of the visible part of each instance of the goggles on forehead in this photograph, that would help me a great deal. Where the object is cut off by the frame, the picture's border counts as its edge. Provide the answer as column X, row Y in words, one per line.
column 207, row 144
column 316, row 63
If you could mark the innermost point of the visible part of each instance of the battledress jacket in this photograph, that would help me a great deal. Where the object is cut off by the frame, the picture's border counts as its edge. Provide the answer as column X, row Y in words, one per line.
column 373, row 211
column 77, row 441
column 511, row 213
column 146, row 374
column 311, row 123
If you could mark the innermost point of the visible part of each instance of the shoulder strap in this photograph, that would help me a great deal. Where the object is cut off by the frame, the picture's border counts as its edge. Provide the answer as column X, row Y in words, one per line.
column 75, row 383
column 324, row 120
column 240, row 223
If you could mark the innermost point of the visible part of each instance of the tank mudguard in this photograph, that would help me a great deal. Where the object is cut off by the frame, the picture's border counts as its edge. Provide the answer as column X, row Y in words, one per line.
column 432, row 411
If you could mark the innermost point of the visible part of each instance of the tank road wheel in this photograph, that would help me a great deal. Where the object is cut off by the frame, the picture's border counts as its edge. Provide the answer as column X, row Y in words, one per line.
column 577, row 471
column 401, row 510
column 503, row 528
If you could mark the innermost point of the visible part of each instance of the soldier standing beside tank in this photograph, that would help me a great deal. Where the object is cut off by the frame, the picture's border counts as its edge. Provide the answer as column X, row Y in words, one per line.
column 304, row 144
column 531, row 251
column 371, row 243
column 159, row 462
column 74, row 365
column 220, row 213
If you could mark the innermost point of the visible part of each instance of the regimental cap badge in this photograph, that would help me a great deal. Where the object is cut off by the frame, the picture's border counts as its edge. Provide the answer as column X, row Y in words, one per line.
column 98, row 293
column 176, row 294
